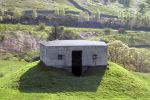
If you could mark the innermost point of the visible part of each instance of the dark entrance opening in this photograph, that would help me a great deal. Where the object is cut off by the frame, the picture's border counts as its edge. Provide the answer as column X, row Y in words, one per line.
column 77, row 63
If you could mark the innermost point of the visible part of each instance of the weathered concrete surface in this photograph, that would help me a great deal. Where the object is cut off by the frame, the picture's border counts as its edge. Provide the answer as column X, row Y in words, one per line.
column 49, row 52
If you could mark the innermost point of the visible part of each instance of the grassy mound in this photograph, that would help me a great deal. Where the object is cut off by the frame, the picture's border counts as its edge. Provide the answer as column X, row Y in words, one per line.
column 35, row 80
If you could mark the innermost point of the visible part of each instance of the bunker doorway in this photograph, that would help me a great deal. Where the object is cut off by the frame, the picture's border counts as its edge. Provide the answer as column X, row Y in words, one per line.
column 77, row 63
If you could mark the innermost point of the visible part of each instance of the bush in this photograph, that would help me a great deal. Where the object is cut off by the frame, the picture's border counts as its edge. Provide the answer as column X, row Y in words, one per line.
column 34, row 14
column 41, row 26
column 1, row 18
column 148, row 1
column 107, row 31
column 27, row 56
column 68, row 34
column 122, row 31
column 58, row 32
column 2, row 12
column 1, row 74
column 17, row 15
column 130, row 58
column 14, row 34
column 2, row 38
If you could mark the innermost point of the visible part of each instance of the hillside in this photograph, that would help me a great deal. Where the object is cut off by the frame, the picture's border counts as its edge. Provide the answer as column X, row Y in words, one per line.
column 74, row 5
column 36, row 81
column 113, row 14
column 38, row 4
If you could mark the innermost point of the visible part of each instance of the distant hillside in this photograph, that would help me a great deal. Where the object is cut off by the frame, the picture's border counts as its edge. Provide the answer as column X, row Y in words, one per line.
column 114, row 7
column 37, row 4
column 128, row 14
column 36, row 81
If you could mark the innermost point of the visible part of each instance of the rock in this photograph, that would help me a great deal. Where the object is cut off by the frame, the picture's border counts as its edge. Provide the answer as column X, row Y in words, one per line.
column 24, row 41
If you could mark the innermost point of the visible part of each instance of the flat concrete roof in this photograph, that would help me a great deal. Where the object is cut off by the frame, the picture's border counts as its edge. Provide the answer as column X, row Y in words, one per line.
column 74, row 43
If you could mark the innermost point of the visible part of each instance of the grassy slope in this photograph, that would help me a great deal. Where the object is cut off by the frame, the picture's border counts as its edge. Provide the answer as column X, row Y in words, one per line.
column 113, row 8
column 35, row 82
column 8, row 68
column 139, row 38
column 9, row 64
column 38, row 4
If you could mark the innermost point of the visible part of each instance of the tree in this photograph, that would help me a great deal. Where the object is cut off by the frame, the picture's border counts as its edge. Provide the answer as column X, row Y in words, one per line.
column 107, row 31
column 126, row 3
column 41, row 26
column 2, row 37
column 118, row 52
column 138, row 59
column 122, row 31
column 61, row 12
column 56, row 11
column 146, row 19
column 87, row 16
column 131, row 41
column 84, row 16
column 2, row 13
column 17, row 15
column 148, row 1
column 68, row 34
column 138, row 18
column 130, row 58
column 56, row 32
column 141, row 8
column 1, row 18
column 113, row 1
column 97, row 15
column 34, row 14
column 105, row 2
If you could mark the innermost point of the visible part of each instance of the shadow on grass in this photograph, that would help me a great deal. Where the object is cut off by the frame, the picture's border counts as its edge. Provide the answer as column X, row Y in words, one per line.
column 40, row 79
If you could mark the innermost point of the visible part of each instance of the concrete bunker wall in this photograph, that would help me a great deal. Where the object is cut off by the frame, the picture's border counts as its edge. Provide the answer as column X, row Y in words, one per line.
column 49, row 55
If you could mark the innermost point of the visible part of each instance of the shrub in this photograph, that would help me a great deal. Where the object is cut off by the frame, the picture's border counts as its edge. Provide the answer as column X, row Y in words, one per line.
column 148, row 1
column 131, row 58
column 113, row 1
column 14, row 34
column 41, row 26
column 107, row 31
column 56, row 32
column 68, row 34
column 122, row 31
column 2, row 12
column 8, row 17
column 34, row 14
column 17, row 15
column 1, row 18
column 2, row 37
column 1, row 74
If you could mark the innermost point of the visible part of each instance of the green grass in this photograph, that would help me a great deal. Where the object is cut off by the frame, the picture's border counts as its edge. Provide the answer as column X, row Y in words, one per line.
column 139, row 38
column 111, row 9
column 9, row 64
column 38, row 4
column 32, row 29
column 144, row 76
column 34, row 81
